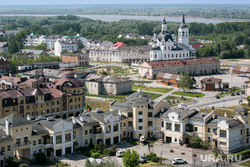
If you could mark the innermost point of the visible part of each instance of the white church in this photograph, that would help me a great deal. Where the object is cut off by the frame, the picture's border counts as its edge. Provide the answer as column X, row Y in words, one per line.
column 166, row 47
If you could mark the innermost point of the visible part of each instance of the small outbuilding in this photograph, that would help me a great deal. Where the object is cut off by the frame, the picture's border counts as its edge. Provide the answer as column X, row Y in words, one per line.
column 211, row 84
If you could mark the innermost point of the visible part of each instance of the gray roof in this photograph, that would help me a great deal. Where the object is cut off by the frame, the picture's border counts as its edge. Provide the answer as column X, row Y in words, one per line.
column 140, row 95
column 121, row 106
column 48, row 73
column 49, row 124
column 242, row 109
column 15, row 120
column 86, row 119
column 182, row 113
column 4, row 137
column 105, row 78
column 38, row 129
column 36, row 52
column 4, row 44
column 102, row 115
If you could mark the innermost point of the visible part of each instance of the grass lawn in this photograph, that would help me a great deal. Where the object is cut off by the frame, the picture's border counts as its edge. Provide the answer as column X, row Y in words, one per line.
column 189, row 94
column 98, row 104
column 122, row 98
column 175, row 100
column 82, row 68
column 232, row 90
column 247, row 163
column 234, row 107
column 221, row 111
column 160, row 90
column 141, row 82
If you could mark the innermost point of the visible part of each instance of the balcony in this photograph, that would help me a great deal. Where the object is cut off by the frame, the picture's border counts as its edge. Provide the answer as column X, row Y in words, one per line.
column 26, row 143
column 18, row 144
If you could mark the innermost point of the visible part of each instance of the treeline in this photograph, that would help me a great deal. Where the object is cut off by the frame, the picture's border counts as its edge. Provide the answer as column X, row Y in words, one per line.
column 205, row 11
column 24, row 59
column 226, row 35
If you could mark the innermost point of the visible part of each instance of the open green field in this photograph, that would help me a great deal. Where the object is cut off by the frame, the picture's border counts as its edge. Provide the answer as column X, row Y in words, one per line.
column 189, row 94
column 122, row 98
column 175, row 100
column 160, row 90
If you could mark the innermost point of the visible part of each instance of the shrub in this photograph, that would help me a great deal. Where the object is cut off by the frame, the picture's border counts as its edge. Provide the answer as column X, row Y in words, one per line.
column 95, row 155
column 24, row 165
column 109, row 152
column 196, row 142
column 13, row 162
column 40, row 158
column 155, row 159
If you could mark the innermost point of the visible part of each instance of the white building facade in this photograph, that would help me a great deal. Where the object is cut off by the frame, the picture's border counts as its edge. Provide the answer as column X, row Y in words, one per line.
column 165, row 47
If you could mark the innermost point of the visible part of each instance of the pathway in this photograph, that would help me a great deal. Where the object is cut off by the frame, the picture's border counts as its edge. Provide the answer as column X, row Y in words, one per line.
column 165, row 95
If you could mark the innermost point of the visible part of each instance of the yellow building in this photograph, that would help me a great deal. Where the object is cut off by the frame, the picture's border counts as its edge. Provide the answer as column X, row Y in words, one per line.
column 64, row 98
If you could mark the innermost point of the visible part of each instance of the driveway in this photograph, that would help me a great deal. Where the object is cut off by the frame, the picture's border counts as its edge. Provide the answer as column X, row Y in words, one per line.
column 74, row 160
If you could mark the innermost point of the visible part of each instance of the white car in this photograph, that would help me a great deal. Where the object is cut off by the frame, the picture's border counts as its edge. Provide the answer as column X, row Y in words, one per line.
column 119, row 153
column 179, row 161
column 142, row 159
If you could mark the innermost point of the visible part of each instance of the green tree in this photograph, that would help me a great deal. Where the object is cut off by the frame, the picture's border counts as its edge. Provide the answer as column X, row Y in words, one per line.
column 88, row 107
column 80, row 46
column 196, row 142
column 185, row 82
column 40, row 158
column 130, row 158
column 42, row 46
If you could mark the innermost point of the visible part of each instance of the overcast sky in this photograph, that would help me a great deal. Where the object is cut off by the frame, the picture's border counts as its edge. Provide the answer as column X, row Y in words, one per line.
column 23, row 2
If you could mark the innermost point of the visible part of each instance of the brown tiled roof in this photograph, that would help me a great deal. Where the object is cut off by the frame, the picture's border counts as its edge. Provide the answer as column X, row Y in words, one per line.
column 10, row 94
column 55, row 93
column 160, row 75
column 76, row 82
column 35, row 91
column 211, row 79
column 182, row 62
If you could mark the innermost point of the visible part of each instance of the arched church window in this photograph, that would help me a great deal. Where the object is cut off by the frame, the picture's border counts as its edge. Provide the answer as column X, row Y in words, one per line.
column 186, row 33
column 155, row 56
column 183, row 33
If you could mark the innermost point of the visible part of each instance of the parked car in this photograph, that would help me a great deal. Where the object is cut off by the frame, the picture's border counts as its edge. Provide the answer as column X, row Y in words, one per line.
column 217, row 97
column 232, row 94
column 179, row 161
column 119, row 153
column 237, row 93
column 142, row 159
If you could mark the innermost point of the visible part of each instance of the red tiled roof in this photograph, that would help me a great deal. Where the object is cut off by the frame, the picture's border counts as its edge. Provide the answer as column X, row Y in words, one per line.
column 182, row 62
column 118, row 44
column 75, row 82
column 211, row 79
column 55, row 93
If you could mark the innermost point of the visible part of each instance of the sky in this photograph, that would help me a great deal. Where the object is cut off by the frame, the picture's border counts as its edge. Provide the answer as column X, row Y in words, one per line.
column 36, row 2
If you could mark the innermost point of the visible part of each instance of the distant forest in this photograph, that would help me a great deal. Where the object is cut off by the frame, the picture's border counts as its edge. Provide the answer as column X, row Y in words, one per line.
column 192, row 10
column 226, row 36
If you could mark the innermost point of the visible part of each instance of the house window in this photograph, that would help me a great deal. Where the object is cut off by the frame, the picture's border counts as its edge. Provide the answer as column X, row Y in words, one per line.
column 223, row 133
column 34, row 142
column 150, row 114
column 90, row 131
column 39, row 141
column 74, row 135
column 3, row 149
column 8, row 148
column 223, row 143
column 140, row 120
column 28, row 106
column 209, row 138
column 150, row 123
column 208, row 130
column 59, row 139
column 68, row 137
column 195, row 129
column 86, row 141
column 169, row 126
column 130, row 123
column 18, row 140
column 140, row 112
column 130, row 114
column 86, row 132
column 162, row 124
column 140, row 127
column 124, row 124
column 177, row 127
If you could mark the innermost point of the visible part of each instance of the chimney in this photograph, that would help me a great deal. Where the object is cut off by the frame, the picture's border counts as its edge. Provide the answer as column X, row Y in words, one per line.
column 225, row 114
column 7, row 126
column 74, row 120
column 28, row 117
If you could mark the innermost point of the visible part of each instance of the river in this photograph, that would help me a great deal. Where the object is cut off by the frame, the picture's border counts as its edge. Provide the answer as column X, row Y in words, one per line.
column 110, row 18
